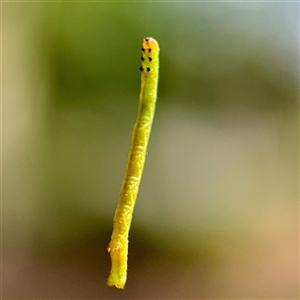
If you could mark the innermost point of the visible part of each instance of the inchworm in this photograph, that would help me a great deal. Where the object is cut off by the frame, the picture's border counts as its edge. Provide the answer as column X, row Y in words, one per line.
column 118, row 246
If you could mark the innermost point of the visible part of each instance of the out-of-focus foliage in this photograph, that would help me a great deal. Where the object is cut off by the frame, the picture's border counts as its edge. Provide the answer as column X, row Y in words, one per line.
column 217, row 213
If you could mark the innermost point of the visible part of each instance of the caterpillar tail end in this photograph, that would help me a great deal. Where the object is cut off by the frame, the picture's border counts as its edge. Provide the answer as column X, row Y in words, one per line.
column 115, row 280
column 118, row 272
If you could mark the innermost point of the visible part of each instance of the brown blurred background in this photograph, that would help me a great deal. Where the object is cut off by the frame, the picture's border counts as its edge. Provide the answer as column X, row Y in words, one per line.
column 217, row 215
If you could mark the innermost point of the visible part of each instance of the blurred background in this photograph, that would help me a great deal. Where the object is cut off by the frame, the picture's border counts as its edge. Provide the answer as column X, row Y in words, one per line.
column 217, row 214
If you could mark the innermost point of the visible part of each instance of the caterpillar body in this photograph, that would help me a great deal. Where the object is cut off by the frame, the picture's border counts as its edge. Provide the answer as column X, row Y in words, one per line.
column 118, row 246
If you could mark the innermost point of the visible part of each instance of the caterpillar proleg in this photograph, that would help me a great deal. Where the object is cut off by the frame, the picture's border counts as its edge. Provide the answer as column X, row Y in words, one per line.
column 118, row 246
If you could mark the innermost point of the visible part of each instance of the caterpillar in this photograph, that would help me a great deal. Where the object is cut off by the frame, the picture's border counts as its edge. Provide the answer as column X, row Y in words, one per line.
column 118, row 246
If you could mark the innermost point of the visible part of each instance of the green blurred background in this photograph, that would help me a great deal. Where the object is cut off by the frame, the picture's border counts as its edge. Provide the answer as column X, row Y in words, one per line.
column 217, row 213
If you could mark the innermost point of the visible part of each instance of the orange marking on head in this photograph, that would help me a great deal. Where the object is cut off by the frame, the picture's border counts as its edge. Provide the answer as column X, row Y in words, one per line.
column 150, row 43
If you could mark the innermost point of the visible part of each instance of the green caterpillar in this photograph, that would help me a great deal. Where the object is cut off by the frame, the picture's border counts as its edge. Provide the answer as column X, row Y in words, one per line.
column 118, row 246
